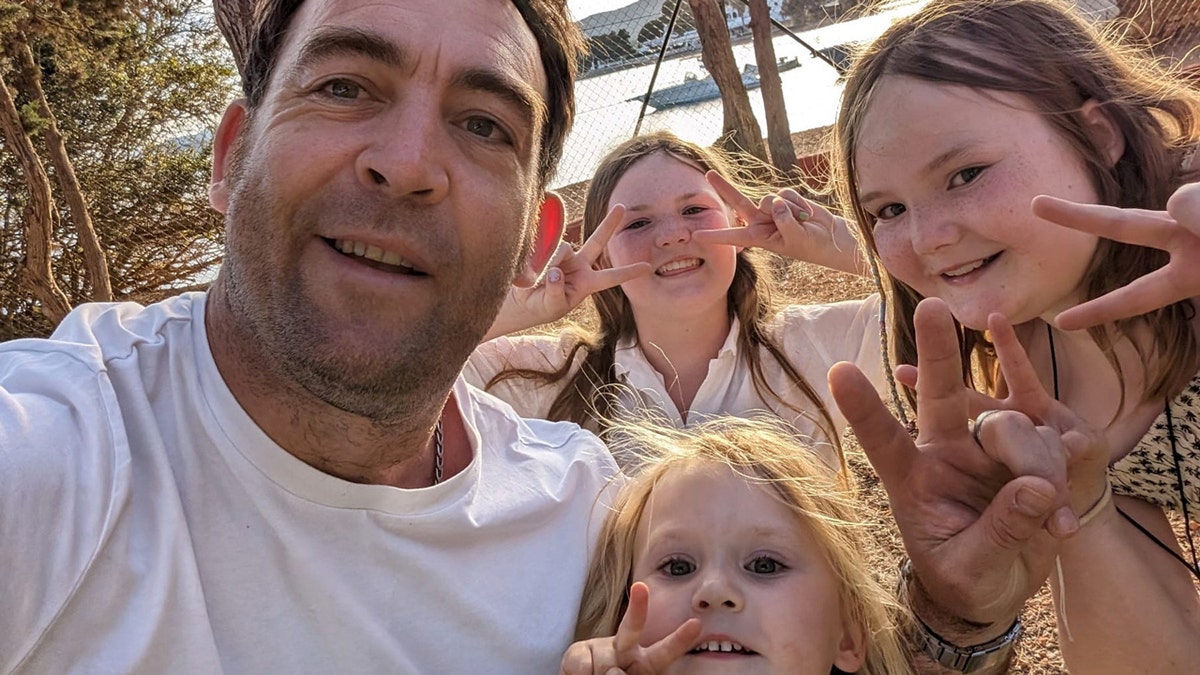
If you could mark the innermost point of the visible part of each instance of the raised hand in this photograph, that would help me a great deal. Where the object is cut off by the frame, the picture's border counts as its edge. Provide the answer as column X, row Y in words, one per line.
column 624, row 653
column 570, row 277
column 787, row 224
column 973, row 517
column 1176, row 231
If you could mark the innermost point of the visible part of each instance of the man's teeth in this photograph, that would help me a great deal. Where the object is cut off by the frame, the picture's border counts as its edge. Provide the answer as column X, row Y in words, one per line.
column 679, row 265
column 969, row 267
column 722, row 646
column 370, row 252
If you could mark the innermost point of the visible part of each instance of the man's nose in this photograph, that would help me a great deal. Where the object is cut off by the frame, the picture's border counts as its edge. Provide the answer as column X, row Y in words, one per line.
column 408, row 157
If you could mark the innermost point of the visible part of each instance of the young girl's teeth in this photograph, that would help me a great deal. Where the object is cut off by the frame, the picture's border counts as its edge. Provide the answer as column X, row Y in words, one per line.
column 969, row 267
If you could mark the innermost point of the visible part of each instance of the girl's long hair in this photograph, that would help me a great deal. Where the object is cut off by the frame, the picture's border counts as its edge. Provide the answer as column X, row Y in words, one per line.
column 1042, row 51
column 763, row 451
column 588, row 392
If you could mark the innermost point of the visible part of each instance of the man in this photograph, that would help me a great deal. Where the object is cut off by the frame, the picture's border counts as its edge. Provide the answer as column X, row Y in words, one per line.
column 285, row 474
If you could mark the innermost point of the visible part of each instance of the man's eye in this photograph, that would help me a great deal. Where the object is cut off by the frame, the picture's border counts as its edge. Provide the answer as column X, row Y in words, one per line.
column 678, row 567
column 343, row 89
column 966, row 176
column 487, row 128
column 765, row 565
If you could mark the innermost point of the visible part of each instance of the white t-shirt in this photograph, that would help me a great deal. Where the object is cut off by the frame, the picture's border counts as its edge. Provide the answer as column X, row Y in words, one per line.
column 814, row 337
column 147, row 525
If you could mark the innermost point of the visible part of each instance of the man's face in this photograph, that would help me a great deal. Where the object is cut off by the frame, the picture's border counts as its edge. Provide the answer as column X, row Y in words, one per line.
column 380, row 202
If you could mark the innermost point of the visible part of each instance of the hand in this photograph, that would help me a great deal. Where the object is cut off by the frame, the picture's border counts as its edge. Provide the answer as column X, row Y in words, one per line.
column 1176, row 231
column 973, row 518
column 624, row 654
column 787, row 224
column 570, row 277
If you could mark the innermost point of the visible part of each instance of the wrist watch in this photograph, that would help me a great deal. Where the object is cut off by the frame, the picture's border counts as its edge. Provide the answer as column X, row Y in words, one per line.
column 994, row 652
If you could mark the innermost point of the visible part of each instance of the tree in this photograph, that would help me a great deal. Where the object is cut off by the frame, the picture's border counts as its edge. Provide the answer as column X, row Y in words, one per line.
column 104, row 106
column 741, row 131
column 779, row 135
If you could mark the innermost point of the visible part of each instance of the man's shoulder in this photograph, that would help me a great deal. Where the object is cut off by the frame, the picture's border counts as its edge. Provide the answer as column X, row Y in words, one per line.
column 558, row 444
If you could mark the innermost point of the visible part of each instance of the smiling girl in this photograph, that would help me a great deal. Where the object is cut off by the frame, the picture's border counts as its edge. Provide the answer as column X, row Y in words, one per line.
column 730, row 552
column 952, row 124
column 695, row 332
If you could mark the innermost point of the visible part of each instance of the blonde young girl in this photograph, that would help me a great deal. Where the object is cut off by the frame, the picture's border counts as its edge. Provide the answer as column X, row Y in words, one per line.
column 696, row 331
column 729, row 551
column 952, row 123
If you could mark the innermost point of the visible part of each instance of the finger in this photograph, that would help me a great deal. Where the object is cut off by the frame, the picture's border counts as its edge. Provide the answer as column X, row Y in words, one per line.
column 608, row 277
column 1142, row 295
column 739, row 202
column 1006, row 530
column 594, row 246
column 1132, row 226
column 577, row 660
column 668, row 650
column 941, row 401
column 885, row 441
column 747, row 236
column 1184, row 207
column 629, row 632
column 1026, row 449
column 1025, row 388
column 564, row 250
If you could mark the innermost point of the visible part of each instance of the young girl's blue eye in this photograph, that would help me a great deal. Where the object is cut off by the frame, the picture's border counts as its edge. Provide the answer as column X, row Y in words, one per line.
column 678, row 567
column 890, row 211
column 765, row 565
column 966, row 176
column 693, row 210
column 633, row 225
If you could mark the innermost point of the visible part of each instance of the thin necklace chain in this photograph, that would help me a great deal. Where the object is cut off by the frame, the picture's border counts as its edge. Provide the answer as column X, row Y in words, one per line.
column 438, row 452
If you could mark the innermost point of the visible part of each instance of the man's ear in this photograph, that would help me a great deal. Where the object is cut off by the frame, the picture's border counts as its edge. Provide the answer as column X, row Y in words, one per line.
column 1103, row 130
column 231, row 127
column 552, row 221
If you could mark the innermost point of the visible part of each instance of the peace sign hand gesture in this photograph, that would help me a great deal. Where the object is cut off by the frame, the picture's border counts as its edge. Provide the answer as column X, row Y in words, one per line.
column 570, row 277
column 787, row 224
column 1176, row 231
column 973, row 516
column 623, row 654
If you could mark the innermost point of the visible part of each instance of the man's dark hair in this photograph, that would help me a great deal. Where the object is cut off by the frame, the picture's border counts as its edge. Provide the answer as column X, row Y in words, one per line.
column 559, row 40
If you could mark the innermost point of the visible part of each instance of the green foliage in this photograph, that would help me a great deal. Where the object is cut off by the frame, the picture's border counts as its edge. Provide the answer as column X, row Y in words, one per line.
column 135, row 87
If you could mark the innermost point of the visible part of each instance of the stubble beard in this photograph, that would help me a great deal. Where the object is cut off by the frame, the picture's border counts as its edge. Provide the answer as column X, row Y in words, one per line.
column 282, row 331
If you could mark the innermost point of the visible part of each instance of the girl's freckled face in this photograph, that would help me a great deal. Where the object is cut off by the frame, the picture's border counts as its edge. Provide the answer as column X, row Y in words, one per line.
column 949, row 173
column 666, row 200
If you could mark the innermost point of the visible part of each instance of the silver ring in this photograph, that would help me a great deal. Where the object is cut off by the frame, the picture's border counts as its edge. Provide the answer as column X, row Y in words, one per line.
column 978, row 424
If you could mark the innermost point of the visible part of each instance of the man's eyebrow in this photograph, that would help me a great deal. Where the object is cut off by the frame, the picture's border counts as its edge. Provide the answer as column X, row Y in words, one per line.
column 330, row 41
column 517, row 92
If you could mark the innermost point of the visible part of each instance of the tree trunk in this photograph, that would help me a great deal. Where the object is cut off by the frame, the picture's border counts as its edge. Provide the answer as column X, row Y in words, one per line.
column 235, row 20
column 94, row 258
column 36, row 272
column 779, row 136
column 741, row 130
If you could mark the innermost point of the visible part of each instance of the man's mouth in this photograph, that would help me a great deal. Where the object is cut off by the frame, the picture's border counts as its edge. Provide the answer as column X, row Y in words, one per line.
column 374, row 256
column 721, row 647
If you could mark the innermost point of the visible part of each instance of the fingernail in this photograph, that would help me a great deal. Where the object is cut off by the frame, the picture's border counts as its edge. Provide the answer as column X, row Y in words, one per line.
column 554, row 275
column 1065, row 522
column 803, row 216
column 1031, row 502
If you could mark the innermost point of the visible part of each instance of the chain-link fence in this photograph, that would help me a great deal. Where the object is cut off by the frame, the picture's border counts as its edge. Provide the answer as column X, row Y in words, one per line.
column 644, row 72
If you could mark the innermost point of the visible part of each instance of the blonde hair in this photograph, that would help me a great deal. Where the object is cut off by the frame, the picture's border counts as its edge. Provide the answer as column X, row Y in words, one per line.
column 750, row 299
column 1043, row 51
column 764, row 451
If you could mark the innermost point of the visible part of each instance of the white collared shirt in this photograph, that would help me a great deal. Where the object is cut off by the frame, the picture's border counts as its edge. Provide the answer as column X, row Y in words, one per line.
column 814, row 337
